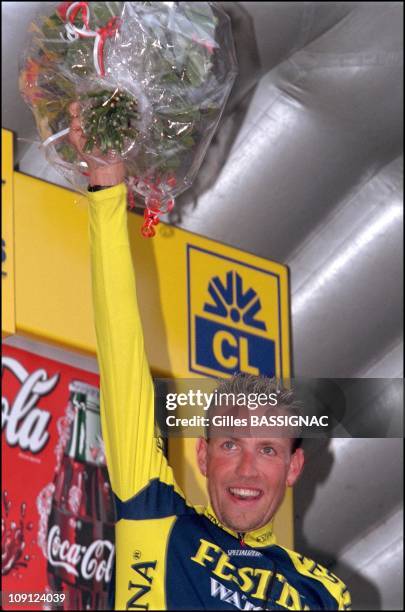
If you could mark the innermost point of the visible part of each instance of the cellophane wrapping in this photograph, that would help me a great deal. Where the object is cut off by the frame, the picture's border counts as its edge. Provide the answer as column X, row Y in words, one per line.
column 152, row 79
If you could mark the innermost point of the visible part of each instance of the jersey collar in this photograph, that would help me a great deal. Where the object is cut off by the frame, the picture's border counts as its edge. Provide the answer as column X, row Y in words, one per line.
column 259, row 538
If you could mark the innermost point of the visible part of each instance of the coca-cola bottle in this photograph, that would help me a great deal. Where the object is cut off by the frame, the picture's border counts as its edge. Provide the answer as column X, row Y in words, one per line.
column 80, row 535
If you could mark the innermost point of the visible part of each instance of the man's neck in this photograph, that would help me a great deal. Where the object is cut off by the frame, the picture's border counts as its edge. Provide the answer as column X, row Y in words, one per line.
column 256, row 538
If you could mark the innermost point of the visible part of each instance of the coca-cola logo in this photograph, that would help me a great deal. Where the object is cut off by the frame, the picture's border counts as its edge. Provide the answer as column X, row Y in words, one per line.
column 25, row 424
column 87, row 561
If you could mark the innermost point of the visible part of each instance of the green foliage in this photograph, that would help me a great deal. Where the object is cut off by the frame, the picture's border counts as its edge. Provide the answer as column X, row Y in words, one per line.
column 176, row 63
column 79, row 57
column 110, row 120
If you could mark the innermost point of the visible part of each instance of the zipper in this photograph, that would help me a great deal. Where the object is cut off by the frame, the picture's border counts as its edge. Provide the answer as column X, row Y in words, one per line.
column 241, row 537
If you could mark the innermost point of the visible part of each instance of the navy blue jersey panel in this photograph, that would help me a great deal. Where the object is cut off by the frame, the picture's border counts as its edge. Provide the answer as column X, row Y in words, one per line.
column 157, row 500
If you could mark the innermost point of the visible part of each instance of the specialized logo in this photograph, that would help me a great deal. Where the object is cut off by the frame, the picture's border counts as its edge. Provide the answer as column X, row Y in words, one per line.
column 243, row 552
column 235, row 317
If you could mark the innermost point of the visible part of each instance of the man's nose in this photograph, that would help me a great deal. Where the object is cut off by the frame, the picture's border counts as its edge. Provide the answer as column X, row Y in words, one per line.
column 246, row 466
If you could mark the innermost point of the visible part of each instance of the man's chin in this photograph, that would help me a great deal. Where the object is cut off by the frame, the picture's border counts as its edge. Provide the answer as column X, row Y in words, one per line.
column 242, row 526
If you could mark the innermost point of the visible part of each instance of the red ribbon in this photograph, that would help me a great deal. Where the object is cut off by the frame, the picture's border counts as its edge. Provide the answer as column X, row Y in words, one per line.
column 154, row 206
column 151, row 218
column 80, row 6
column 104, row 32
column 107, row 31
column 62, row 10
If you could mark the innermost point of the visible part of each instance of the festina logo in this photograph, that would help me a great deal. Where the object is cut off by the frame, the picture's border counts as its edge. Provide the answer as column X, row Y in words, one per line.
column 25, row 424
column 140, row 584
column 86, row 561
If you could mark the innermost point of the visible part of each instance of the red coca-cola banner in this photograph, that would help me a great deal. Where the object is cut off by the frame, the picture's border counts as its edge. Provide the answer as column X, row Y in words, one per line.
column 57, row 526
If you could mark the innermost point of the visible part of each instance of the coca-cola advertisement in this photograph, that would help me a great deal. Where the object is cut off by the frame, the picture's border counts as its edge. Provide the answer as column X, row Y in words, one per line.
column 58, row 509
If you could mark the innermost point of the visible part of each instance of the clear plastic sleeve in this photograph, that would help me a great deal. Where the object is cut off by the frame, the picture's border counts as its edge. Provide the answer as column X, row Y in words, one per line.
column 152, row 79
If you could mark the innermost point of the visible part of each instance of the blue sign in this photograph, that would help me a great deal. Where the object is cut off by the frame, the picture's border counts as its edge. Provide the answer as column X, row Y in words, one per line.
column 234, row 316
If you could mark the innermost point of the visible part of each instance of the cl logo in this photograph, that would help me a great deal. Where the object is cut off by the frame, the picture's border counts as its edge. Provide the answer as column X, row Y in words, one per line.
column 227, row 348
column 230, row 327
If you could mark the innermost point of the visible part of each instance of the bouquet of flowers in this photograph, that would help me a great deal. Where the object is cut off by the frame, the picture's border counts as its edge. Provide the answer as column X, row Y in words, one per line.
column 152, row 79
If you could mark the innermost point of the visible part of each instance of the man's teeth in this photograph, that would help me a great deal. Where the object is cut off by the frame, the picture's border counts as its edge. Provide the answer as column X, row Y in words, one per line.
column 245, row 493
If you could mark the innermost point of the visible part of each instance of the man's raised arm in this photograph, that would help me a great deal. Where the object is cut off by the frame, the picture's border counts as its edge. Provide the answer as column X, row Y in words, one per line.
column 127, row 399
column 127, row 396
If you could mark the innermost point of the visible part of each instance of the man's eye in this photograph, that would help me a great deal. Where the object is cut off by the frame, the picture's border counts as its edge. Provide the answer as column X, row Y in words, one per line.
column 229, row 445
column 268, row 450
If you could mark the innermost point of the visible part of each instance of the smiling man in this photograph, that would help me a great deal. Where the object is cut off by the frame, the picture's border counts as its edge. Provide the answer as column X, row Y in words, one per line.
column 248, row 468
column 169, row 554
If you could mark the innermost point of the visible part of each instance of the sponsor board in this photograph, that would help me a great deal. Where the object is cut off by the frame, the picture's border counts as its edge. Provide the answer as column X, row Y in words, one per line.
column 238, row 315
column 58, row 533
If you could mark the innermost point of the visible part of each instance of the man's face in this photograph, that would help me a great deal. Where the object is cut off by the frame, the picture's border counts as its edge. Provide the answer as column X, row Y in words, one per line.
column 248, row 477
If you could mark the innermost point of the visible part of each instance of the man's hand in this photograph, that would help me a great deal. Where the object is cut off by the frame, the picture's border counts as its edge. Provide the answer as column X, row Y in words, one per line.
column 107, row 170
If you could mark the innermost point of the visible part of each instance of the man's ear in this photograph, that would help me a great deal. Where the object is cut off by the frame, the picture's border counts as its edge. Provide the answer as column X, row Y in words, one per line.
column 296, row 467
column 202, row 451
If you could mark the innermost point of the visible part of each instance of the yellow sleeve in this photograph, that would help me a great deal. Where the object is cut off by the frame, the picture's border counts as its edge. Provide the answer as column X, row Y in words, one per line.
column 345, row 602
column 127, row 394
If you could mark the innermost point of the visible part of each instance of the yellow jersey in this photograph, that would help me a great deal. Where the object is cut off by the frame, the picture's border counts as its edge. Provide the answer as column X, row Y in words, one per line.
column 171, row 555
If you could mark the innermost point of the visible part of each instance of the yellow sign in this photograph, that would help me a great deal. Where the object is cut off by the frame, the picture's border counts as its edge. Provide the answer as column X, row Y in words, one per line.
column 206, row 308
column 7, row 236
column 236, row 312
column 53, row 283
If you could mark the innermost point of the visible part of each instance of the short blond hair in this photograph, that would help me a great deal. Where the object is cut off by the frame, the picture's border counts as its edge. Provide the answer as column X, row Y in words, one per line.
column 247, row 384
